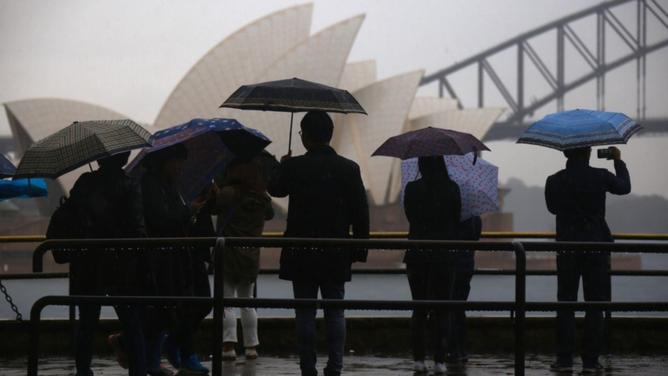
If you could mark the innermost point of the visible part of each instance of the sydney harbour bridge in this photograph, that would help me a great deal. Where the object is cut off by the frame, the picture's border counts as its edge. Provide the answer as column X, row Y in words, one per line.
column 647, row 34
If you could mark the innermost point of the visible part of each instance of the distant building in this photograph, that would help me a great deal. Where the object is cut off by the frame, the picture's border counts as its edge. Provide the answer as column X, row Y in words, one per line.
column 274, row 47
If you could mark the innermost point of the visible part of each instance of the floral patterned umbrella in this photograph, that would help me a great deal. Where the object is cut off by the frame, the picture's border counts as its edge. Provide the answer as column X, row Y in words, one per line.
column 477, row 182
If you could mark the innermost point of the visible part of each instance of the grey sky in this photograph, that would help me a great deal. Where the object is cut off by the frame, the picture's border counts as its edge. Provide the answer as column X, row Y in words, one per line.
column 128, row 55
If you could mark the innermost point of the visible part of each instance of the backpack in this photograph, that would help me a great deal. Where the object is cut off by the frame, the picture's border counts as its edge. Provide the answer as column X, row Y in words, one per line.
column 64, row 224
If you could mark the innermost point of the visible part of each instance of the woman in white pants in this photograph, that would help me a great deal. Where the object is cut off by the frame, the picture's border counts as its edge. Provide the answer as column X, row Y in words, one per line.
column 243, row 206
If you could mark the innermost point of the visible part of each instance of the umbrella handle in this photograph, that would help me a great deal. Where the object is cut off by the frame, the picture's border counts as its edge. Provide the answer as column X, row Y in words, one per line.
column 292, row 114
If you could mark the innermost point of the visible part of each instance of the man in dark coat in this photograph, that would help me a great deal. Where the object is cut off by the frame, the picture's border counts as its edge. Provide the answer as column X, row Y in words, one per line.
column 109, row 205
column 576, row 195
column 327, row 198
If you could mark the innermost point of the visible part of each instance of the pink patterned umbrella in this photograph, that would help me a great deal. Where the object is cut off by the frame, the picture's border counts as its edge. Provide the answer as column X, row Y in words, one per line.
column 477, row 182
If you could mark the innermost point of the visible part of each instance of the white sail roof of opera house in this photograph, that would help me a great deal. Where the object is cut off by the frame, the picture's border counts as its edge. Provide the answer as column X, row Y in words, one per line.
column 33, row 119
column 357, row 75
column 430, row 105
column 320, row 58
column 476, row 121
column 387, row 103
column 237, row 60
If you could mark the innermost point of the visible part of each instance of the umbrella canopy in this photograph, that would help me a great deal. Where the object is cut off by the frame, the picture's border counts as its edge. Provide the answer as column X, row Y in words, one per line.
column 22, row 188
column 580, row 128
column 211, row 144
column 477, row 182
column 293, row 95
column 7, row 169
column 78, row 144
column 428, row 142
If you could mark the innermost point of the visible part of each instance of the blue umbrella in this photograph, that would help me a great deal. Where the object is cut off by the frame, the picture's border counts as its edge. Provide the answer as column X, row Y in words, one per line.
column 580, row 128
column 211, row 144
column 7, row 169
column 22, row 188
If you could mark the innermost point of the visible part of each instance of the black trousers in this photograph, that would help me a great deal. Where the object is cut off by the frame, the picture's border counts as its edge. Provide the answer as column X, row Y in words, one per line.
column 443, row 280
column 594, row 269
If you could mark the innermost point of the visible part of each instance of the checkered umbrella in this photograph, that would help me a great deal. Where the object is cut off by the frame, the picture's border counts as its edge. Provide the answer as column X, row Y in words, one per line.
column 477, row 182
column 78, row 144
column 6, row 167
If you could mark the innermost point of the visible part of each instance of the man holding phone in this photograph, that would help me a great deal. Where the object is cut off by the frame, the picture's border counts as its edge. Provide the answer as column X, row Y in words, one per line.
column 576, row 195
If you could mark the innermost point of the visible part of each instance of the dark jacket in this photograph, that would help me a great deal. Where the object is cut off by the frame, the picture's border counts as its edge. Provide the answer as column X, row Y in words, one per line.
column 576, row 195
column 167, row 215
column 242, row 213
column 327, row 199
column 110, row 206
column 433, row 209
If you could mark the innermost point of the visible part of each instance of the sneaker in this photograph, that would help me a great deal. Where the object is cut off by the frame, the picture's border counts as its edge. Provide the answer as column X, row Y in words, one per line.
column 592, row 369
column 561, row 367
column 251, row 353
column 114, row 341
column 439, row 369
column 229, row 355
column 419, row 367
column 171, row 350
column 192, row 366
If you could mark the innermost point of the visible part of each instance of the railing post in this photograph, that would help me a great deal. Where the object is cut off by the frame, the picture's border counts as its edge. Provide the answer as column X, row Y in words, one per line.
column 38, row 258
column 33, row 344
column 216, row 358
column 520, row 306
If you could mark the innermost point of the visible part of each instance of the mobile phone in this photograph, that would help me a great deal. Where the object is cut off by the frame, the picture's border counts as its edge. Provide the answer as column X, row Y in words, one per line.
column 604, row 153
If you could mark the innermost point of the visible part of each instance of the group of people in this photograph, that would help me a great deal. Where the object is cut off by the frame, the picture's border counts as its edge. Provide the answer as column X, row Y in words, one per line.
column 327, row 200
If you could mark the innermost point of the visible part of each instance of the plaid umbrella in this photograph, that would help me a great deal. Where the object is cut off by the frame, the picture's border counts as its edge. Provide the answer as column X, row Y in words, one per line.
column 211, row 144
column 78, row 144
column 477, row 182
column 580, row 128
column 428, row 142
column 6, row 167
column 293, row 95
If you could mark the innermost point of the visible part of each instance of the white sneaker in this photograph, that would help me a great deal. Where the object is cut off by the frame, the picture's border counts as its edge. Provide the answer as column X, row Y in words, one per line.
column 439, row 369
column 251, row 353
column 419, row 367
column 229, row 355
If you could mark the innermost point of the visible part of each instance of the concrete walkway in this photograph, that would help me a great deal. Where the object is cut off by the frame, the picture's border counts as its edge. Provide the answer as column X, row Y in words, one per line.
column 479, row 365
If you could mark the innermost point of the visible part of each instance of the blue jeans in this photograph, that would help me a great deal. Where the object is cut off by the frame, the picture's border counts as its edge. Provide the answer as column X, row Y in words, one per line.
column 593, row 268
column 335, row 323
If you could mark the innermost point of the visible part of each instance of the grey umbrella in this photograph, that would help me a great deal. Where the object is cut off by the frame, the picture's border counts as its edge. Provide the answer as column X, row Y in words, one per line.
column 78, row 144
column 293, row 95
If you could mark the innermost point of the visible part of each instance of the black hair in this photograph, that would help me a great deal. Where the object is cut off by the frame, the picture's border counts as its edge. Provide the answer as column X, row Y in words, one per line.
column 158, row 158
column 114, row 161
column 433, row 167
column 317, row 126
column 578, row 153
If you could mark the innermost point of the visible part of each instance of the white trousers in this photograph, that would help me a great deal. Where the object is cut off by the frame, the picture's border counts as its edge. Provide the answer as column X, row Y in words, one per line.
column 248, row 315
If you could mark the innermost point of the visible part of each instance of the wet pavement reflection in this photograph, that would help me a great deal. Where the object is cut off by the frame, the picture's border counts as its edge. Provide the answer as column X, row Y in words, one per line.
column 479, row 365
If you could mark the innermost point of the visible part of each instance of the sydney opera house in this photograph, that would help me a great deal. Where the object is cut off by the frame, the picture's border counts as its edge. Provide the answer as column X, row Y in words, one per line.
column 280, row 45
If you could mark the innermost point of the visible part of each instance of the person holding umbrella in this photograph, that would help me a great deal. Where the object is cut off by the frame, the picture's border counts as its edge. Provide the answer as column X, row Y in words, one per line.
column 327, row 200
column 433, row 205
column 576, row 196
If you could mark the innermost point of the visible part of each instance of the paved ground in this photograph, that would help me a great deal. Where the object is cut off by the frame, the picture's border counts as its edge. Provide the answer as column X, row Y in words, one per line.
column 482, row 365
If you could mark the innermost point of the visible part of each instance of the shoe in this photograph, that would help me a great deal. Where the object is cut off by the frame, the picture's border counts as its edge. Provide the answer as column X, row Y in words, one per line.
column 561, row 367
column 192, row 366
column 251, row 353
column 419, row 367
column 439, row 369
column 229, row 355
column 171, row 350
column 114, row 341
column 592, row 369
column 162, row 371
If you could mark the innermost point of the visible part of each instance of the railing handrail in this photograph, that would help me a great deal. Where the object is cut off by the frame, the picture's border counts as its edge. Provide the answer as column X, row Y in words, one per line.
column 404, row 234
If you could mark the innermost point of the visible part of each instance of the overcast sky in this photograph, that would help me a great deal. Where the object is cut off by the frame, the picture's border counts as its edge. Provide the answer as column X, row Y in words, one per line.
column 128, row 55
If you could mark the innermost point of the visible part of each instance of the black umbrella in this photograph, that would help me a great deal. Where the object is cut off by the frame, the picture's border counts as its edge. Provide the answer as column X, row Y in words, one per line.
column 293, row 95
column 430, row 142
column 78, row 144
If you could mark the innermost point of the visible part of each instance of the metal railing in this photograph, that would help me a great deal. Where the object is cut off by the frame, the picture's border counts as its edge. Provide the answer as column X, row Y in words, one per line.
column 519, row 305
